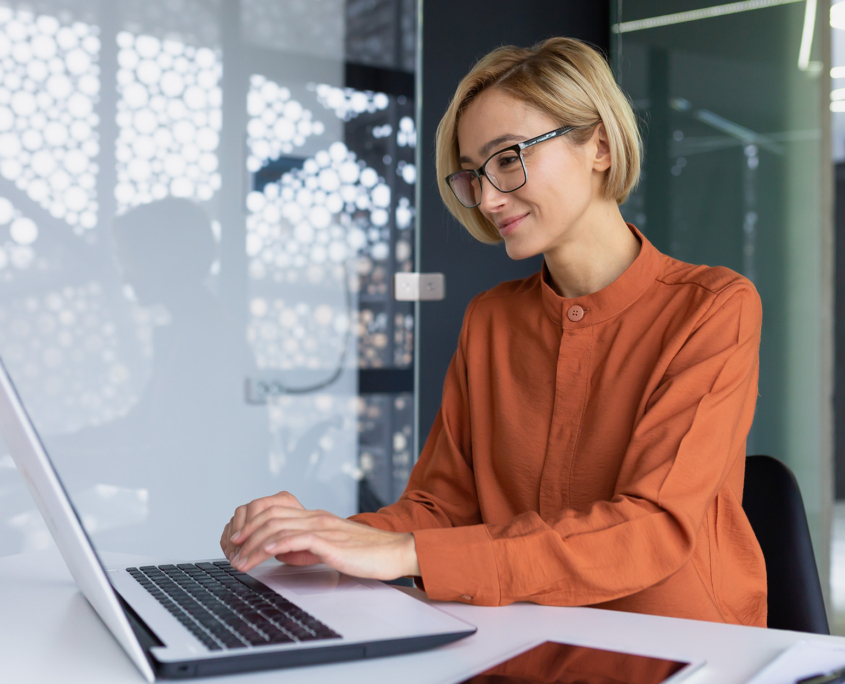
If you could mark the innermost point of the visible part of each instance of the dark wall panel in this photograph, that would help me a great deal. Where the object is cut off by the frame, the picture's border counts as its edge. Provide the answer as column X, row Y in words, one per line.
column 454, row 36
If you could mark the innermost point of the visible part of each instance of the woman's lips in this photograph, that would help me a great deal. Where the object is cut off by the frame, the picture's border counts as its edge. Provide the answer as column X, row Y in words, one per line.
column 511, row 226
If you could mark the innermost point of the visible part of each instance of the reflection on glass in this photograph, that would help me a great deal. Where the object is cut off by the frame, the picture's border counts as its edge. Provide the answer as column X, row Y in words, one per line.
column 190, row 432
column 386, row 438
column 554, row 663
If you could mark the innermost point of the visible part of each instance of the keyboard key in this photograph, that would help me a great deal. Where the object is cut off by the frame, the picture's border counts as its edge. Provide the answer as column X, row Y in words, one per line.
column 280, row 637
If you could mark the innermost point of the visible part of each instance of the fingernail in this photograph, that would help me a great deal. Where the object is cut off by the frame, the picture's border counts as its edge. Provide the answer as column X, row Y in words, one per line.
column 235, row 536
column 270, row 547
column 235, row 559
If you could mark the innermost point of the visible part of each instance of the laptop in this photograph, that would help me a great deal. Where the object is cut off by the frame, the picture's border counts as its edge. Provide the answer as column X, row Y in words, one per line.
column 201, row 618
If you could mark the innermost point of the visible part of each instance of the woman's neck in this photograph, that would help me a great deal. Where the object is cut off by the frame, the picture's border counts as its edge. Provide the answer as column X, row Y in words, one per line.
column 596, row 252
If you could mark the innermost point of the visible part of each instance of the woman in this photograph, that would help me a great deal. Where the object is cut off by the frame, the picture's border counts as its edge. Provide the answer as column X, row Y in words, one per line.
column 590, row 446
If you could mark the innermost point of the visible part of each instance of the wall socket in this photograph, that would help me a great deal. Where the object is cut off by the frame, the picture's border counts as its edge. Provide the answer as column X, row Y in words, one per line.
column 259, row 390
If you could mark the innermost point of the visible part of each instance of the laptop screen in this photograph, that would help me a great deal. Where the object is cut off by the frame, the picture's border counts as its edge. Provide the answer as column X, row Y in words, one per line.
column 556, row 663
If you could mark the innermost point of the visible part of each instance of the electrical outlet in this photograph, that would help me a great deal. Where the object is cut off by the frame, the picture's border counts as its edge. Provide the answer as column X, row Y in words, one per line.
column 259, row 390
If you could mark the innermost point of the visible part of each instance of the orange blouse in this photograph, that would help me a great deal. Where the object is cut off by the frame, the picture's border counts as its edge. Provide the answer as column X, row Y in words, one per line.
column 591, row 451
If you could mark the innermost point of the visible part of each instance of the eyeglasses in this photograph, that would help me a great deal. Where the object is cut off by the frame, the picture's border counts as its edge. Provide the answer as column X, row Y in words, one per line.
column 505, row 170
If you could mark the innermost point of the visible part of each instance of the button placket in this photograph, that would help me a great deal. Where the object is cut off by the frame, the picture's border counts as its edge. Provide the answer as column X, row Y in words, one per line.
column 572, row 375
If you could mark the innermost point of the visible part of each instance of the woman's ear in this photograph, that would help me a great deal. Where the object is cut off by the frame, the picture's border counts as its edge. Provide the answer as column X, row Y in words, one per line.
column 601, row 161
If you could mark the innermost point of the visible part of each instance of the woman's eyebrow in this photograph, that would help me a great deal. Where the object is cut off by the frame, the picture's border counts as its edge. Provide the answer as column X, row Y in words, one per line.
column 488, row 147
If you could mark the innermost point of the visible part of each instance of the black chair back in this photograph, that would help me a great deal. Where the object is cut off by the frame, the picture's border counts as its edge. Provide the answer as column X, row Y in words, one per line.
column 773, row 504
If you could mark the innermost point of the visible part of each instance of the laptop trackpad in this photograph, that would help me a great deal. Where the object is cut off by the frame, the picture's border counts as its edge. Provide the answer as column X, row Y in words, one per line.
column 314, row 582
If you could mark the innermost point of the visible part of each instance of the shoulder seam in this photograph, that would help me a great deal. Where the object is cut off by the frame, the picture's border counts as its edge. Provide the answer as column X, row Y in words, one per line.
column 724, row 287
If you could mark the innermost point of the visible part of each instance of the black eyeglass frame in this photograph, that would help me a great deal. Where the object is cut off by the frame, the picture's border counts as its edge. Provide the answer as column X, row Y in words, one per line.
column 481, row 171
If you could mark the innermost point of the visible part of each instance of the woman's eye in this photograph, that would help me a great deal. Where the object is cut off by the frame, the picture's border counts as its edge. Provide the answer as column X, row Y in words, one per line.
column 507, row 161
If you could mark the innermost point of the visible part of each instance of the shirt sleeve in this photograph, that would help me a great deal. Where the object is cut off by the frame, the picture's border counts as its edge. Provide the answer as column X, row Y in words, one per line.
column 691, row 433
column 441, row 490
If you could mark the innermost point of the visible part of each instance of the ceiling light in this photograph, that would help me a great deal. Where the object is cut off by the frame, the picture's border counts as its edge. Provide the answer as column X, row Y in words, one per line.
column 695, row 15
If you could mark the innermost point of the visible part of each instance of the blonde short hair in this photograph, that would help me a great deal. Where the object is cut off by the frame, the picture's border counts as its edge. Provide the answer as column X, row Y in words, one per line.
column 564, row 78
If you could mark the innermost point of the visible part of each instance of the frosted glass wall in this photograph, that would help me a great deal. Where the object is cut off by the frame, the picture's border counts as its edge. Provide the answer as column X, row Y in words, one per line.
column 199, row 219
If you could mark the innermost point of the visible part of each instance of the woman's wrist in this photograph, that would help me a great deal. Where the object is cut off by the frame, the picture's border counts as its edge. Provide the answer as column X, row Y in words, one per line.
column 411, row 563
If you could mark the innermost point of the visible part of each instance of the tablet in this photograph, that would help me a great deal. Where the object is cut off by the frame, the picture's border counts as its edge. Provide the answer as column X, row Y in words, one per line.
column 556, row 663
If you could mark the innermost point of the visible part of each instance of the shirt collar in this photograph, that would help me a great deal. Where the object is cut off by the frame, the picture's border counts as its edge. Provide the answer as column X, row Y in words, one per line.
column 609, row 301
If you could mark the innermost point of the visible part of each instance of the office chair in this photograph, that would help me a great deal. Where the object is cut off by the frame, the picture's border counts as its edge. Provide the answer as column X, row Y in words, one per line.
column 773, row 504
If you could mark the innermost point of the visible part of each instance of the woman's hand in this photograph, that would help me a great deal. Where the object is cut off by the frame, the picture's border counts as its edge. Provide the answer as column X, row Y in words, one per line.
column 248, row 512
column 280, row 526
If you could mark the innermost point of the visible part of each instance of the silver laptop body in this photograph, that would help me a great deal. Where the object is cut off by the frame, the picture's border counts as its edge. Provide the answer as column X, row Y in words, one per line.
column 370, row 618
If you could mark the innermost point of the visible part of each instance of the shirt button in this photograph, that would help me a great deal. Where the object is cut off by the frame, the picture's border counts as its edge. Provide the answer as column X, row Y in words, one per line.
column 466, row 597
column 575, row 313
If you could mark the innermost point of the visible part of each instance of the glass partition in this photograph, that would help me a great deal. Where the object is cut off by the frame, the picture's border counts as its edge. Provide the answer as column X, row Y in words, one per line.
column 734, row 108
column 202, row 203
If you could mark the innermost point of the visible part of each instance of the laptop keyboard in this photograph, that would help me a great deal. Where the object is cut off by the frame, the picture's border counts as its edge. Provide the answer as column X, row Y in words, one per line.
column 225, row 608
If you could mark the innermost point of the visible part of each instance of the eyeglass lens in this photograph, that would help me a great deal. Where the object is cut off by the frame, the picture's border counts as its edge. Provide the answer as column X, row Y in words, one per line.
column 505, row 171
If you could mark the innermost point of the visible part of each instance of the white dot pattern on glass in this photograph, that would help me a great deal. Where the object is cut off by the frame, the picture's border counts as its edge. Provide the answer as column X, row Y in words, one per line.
column 306, row 227
column 49, row 86
column 277, row 123
column 67, row 356
column 347, row 103
column 169, row 117
column 306, row 217
column 17, row 253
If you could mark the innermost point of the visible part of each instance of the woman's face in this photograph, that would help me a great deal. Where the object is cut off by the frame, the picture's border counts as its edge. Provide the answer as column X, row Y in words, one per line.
column 564, row 179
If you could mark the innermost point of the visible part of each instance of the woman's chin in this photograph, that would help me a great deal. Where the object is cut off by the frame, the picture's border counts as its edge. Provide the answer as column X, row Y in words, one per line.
column 518, row 249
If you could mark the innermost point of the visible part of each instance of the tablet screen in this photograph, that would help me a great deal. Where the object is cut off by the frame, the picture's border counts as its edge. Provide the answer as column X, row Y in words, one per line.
column 555, row 663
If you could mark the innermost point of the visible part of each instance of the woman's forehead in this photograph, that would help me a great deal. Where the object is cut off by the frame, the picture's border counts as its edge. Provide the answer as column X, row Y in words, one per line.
column 493, row 115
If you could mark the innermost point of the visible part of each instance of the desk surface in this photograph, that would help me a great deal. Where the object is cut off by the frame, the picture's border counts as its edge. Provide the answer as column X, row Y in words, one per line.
column 49, row 633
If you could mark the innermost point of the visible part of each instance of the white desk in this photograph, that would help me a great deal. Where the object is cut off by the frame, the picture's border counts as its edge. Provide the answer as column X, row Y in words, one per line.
column 49, row 633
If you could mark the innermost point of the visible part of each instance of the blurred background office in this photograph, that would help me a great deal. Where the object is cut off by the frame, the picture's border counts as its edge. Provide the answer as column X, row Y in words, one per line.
column 203, row 204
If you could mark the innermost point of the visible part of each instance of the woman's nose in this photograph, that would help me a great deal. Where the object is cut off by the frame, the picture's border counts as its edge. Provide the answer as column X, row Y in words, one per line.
column 491, row 197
